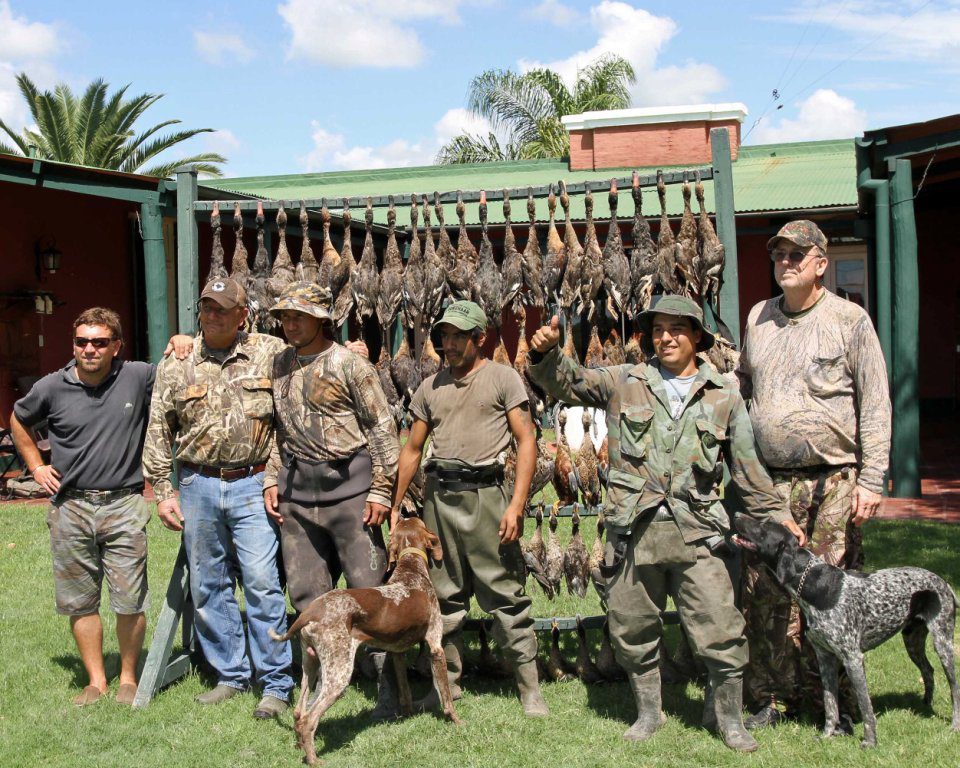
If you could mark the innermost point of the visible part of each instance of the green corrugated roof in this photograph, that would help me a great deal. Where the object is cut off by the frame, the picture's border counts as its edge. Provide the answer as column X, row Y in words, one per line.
column 770, row 177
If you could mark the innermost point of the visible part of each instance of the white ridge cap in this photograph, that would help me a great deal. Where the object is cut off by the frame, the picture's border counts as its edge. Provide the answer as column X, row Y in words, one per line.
column 652, row 115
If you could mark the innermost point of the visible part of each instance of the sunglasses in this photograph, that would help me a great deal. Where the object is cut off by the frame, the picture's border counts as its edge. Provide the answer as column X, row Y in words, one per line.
column 794, row 257
column 99, row 342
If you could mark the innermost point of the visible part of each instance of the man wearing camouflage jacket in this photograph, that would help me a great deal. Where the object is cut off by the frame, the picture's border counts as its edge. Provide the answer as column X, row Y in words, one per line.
column 333, row 464
column 670, row 424
column 217, row 405
column 813, row 372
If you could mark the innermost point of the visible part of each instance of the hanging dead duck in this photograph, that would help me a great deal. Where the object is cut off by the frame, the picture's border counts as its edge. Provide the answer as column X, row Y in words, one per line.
column 555, row 259
column 488, row 284
column 573, row 272
column 344, row 301
column 711, row 252
column 688, row 255
column 643, row 256
column 616, row 268
column 307, row 270
column 258, row 295
column 364, row 281
column 282, row 273
column 239, row 268
column 217, row 270
column 591, row 270
column 666, row 244
column 390, row 287
column 434, row 277
column 413, row 275
column 532, row 260
column 511, row 269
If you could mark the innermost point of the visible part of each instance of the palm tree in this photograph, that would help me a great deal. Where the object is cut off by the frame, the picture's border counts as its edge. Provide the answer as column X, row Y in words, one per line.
column 528, row 107
column 97, row 131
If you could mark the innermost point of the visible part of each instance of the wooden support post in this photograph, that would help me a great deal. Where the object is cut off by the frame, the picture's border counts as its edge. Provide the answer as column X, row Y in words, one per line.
column 726, row 229
column 905, row 448
column 159, row 669
column 188, row 254
column 155, row 280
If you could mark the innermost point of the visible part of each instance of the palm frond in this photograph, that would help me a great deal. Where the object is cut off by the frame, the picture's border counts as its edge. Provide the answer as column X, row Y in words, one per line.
column 204, row 163
column 89, row 117
column 604, row 84
column 140, row 156
column 560, row 96
column 509, row 101
column 474, row 149
column 18, row 140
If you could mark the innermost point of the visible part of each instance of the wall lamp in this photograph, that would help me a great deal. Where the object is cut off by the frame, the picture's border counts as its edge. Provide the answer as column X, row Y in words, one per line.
column 47, row 259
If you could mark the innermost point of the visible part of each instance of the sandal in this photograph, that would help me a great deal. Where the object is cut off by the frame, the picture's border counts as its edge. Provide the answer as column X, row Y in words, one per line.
column 126, row 693
column 89, row 695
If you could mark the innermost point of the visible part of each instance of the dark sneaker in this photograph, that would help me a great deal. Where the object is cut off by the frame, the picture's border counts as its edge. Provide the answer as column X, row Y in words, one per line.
column 269, row 706
column 764, row 717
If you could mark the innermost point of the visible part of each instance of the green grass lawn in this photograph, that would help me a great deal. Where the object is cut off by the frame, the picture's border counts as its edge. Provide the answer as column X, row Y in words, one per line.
column 41, row 672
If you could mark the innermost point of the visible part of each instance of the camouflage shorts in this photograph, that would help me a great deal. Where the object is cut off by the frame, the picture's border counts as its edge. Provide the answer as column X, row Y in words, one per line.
column 89, row 541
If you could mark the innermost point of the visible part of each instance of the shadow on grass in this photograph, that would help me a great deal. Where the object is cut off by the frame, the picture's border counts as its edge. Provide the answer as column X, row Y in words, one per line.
column 909, row 701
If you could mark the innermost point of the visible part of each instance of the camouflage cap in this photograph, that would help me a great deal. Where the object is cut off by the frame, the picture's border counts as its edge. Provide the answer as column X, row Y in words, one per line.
column 465, row 315
column 226, row 291
column 681, row 306
column 801, row 232
column 310, row 298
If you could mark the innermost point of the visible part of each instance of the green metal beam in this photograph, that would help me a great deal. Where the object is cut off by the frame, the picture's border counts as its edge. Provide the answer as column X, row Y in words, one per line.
column 886, row 150
column 42, row 175
column 905, row 449
column 155, row 280
column 729, row 305
column 188, row 263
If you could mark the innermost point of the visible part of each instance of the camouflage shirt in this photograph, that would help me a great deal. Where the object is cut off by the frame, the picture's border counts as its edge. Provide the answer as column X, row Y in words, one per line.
column 331, row 408
column 818, row 387
column 656, row 459
column 219, row 413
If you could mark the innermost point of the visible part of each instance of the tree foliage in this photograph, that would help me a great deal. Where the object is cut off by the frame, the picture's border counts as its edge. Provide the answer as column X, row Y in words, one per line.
column 527, row 109
column 97, row 130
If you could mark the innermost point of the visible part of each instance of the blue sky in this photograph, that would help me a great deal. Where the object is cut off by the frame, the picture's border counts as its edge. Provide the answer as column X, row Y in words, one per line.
column 308, row 85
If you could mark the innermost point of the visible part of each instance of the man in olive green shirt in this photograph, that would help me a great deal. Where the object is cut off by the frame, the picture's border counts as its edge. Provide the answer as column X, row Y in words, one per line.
column 473, row 408
column 670, row 424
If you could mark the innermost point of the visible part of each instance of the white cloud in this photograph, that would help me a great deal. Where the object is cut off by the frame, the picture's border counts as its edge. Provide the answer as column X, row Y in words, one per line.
column 331, row 152
column 222, row 47
column 554, row 12
column 909, row 31
column 22, row 39
column 222, row 141
column 825, row 114
column 361, row 33
column 640, row 37
column 25, row 46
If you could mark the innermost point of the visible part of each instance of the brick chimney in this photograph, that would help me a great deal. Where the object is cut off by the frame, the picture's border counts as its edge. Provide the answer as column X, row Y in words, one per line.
column 650, row 136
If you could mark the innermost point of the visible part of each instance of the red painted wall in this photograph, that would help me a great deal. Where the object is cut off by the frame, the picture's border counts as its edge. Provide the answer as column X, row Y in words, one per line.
column 939, row 303
column 94, row 236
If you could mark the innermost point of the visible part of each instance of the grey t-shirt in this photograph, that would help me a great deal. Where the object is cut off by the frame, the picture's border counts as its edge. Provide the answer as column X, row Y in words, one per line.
column 96, row 433
column 678, row 387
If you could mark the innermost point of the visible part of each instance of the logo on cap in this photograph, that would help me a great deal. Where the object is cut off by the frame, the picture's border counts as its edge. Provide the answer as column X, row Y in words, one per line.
column 218, row 287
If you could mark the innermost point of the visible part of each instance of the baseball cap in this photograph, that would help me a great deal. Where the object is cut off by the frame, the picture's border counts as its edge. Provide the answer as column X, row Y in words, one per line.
column 465, row 315
column 801, row 232
column 226, row 291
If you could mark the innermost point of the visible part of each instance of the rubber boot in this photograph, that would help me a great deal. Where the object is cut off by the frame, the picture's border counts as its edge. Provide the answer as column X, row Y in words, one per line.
column 528, row 684
column 388, row 704
column 646, row 690
column 728, row 703
column 709, row 720
column 453, row 651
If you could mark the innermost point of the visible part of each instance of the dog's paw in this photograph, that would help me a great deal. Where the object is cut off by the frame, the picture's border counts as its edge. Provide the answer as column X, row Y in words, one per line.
column 868, row 743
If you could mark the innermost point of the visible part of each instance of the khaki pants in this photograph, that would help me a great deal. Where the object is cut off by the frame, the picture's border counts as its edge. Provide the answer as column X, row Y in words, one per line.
column 659, row 563
column 476, row 564
column 782, row 665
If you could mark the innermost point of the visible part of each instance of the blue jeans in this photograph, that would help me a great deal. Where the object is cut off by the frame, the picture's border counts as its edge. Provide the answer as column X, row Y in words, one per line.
column 227, row 533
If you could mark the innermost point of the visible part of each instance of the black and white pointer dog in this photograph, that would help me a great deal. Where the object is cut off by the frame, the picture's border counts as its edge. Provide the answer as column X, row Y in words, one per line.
column 848, row 613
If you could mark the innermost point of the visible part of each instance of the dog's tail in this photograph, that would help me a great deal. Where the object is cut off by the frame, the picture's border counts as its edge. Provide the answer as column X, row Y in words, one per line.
column 294, row 628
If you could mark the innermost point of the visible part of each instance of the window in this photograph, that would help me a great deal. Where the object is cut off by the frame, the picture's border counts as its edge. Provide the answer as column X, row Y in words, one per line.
column 847, row 274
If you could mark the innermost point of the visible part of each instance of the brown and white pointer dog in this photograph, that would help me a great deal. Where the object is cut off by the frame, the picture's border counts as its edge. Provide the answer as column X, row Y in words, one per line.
column 393, row 617
column 849, row 613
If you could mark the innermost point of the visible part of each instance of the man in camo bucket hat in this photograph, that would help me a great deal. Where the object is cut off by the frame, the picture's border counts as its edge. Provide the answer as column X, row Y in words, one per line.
column 679, row 306
column 334, row 461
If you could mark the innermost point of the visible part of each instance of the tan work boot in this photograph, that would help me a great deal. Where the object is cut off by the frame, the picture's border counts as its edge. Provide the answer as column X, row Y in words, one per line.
column 646, row 690
column 528, row 683
column 728, row 703
column 453, row 650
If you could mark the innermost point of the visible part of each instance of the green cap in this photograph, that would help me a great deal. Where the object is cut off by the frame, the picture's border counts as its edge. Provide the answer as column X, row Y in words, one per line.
column 681, row 306
column 801, row 232
column 465, row 315
column 310, row 298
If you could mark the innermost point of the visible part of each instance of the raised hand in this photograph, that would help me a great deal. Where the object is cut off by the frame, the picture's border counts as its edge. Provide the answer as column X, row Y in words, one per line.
column 547, row 337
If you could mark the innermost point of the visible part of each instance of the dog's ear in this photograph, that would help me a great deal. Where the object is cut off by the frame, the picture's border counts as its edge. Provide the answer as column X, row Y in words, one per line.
column 392, row 549
column 436, row 551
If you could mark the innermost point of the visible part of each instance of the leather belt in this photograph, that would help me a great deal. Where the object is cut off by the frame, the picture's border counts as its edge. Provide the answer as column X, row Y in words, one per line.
column 99, row 497
column 224, row 473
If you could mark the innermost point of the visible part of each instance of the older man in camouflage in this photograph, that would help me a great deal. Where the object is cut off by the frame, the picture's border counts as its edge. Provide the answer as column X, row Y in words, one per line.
column 814, row 374
column 334, row 461
column 671, row 424
column 217, row 407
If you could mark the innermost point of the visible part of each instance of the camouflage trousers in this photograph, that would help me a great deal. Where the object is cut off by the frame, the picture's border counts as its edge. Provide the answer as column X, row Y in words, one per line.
column 783, row 667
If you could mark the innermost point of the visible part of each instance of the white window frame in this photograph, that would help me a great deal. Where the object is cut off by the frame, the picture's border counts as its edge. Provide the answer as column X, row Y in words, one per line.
column 856, row 252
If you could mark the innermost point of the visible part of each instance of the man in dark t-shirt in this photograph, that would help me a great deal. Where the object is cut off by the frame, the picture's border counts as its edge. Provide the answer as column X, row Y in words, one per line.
column 96, row 410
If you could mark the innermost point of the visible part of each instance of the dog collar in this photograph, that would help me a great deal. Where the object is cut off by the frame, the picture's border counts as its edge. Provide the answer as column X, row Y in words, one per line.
column 414, row 551
column 803, row 576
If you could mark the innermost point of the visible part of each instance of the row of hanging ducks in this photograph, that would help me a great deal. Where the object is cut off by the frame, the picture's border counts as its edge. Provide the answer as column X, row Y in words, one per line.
column 574, row 277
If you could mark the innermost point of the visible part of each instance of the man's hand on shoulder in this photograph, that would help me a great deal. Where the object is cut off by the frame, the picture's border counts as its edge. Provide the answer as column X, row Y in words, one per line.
column 180, row 345
column 358, row 348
